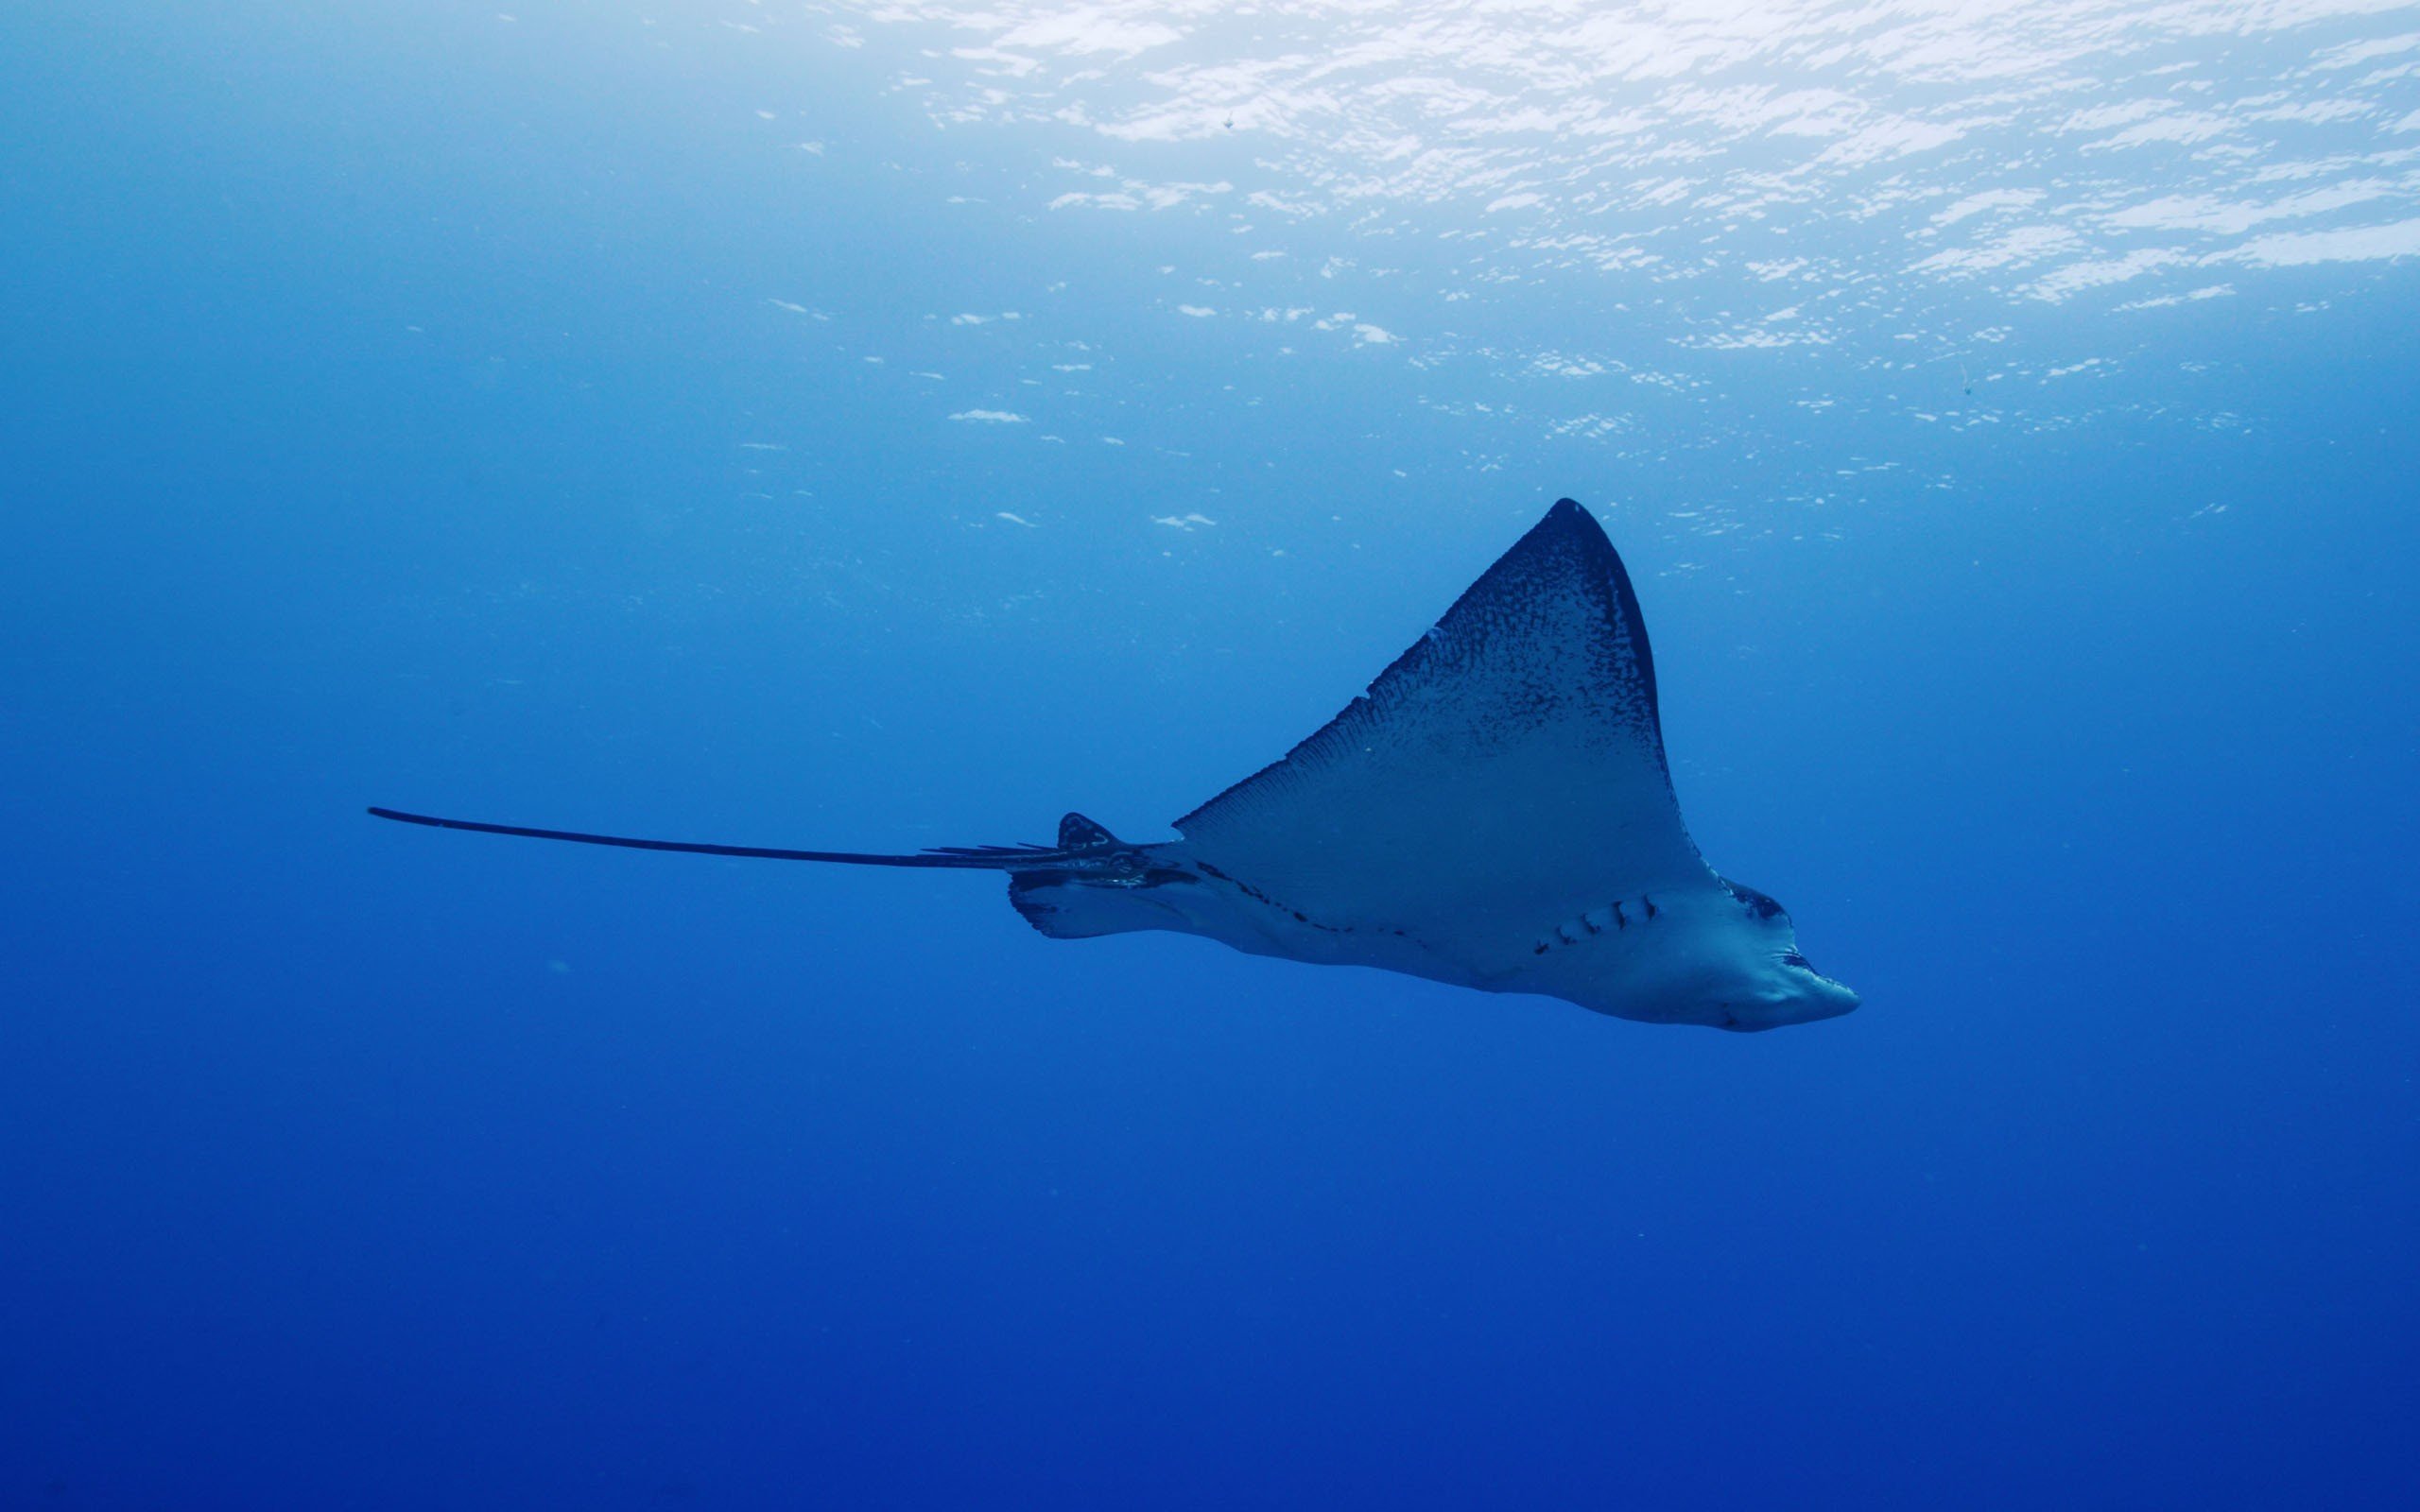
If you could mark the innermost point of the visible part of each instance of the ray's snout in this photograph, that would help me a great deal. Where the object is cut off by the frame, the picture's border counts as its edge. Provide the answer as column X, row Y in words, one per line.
column 1827, row 1000
column 1803, row 995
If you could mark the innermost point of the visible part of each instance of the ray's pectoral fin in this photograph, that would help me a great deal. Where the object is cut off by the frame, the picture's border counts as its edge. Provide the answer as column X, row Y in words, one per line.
column 1505, row 771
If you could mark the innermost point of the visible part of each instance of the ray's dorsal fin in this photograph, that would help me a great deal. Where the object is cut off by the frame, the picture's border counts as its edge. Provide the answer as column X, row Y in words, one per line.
column 966, row 858
column 1077, row 832
column 1508, row 768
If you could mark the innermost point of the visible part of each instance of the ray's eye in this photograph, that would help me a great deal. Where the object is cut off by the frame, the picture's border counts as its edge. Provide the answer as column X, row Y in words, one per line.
column 1793, row 958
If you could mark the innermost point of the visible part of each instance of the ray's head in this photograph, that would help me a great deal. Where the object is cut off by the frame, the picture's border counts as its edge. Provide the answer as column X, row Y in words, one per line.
column 1765, row 982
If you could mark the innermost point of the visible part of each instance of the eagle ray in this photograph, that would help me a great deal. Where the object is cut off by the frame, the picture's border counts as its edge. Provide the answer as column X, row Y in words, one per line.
column 1494, row 811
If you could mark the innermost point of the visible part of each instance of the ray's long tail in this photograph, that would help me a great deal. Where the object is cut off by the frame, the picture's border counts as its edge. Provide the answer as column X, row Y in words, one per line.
column 1077, row 845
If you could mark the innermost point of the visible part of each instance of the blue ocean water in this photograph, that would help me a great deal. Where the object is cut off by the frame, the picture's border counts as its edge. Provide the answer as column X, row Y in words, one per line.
column 883, row 427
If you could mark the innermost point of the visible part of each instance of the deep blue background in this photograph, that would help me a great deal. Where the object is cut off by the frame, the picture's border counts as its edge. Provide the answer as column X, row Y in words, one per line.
column 373, row 424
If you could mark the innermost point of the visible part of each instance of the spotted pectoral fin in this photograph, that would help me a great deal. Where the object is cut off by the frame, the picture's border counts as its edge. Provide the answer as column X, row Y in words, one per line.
column 1508, row 768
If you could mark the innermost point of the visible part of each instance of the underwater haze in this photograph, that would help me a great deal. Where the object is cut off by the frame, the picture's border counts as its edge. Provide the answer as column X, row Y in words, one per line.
column 875, row 427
